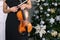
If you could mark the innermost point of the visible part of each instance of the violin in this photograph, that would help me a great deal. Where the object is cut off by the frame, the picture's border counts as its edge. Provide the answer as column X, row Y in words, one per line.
column 23, row 26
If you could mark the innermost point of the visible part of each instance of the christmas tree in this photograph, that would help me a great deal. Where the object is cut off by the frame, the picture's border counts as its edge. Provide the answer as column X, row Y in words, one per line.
column 46, row 20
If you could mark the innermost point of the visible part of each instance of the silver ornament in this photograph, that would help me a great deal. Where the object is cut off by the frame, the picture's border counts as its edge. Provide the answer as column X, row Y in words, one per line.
column 45, row 4
column 42, row 22
column 52, row 20
column 57, row 18
column 43, row 39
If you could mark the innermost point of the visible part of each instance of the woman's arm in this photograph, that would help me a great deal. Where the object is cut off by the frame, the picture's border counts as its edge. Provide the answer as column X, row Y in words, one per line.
column 7, row 10
column 29, row 5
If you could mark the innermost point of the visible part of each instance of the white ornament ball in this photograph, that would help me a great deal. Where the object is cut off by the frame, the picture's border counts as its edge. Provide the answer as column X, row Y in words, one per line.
column 48, row 9
column 52, row 3
column 55, row 4
column 38, row 4
column 48, row 31
column 37, row 17
column 47, row 15
column 45, row 12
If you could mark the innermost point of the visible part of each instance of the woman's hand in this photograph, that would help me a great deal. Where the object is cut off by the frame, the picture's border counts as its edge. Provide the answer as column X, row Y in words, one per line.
column 7, row 10
column 13, row 9
column 22, row 6
column 26, row 5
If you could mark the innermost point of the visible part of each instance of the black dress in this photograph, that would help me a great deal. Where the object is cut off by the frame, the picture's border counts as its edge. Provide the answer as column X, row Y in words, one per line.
column 12, row 24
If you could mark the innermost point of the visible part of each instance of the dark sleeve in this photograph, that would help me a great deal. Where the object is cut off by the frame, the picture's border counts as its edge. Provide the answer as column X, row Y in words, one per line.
column 11, row 3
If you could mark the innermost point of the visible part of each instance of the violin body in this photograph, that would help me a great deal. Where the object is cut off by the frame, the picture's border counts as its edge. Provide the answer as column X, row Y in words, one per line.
column 22, row 26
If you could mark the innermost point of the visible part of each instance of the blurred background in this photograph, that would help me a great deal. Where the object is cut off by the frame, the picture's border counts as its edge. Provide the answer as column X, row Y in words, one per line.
column 45, row 18
column 2, row 21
